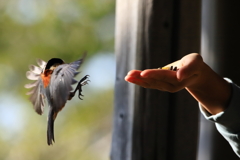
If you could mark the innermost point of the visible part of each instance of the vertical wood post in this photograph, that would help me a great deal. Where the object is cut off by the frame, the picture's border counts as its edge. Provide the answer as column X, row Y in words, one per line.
column 150, row 124
column 126, row 34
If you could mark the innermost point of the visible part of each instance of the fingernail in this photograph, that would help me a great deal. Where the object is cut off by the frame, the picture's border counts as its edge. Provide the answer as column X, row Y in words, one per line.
column 143, row 74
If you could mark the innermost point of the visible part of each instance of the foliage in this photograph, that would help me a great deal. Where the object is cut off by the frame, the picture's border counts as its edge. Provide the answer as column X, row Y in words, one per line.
column 32, row 29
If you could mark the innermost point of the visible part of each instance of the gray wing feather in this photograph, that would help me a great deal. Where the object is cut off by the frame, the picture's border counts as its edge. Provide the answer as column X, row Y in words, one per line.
column 61, row 83
column 35, row 69
column 32, row 76
column 37, row 94
column 31, row 85
column 41, row 63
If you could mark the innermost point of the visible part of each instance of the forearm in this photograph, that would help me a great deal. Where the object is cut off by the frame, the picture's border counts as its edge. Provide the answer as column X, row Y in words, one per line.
column 212, row 91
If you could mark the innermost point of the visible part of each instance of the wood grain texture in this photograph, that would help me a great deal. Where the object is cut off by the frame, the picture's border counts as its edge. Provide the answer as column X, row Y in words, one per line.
column 150, row 124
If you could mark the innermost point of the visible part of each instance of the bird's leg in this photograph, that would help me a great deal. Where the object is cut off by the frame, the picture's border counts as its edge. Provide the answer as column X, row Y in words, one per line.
column 81, row 83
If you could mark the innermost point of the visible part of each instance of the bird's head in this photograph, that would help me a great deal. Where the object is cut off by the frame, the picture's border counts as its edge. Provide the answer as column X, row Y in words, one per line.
column 53, row 63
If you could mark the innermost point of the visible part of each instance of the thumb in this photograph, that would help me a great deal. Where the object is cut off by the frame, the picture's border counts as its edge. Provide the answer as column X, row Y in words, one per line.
column 191, row 65
column 185, row 72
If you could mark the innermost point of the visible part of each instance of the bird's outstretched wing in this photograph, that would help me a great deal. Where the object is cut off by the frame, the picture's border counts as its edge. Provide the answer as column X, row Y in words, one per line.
column 37, row 93
column 61, row 82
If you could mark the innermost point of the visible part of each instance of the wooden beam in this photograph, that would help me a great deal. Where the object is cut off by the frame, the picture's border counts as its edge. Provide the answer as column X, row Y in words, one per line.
column 150, row 124
column 126, row 34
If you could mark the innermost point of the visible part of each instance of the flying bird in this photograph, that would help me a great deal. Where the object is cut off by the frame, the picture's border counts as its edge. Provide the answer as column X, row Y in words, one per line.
column 53, row 83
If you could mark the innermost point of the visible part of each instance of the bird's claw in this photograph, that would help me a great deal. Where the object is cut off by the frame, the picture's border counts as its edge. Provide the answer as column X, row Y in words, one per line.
column 81, row 83
column 79, row 96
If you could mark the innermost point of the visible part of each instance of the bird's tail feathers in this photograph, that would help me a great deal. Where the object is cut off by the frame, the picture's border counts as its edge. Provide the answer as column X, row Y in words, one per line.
column 50, row 127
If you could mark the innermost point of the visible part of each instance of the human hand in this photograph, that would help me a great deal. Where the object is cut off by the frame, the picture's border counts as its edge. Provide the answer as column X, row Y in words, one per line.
column 188, row 72
column 206, row 86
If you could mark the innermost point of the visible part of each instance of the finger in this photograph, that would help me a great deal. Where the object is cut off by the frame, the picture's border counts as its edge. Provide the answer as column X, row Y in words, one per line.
column 164, row 80
column 160, row 74
column 134, row 76
column 156, row 83
column 191, row 66
column 134, row 73
column 161, row 85
column 185, row 72
column 137, row 81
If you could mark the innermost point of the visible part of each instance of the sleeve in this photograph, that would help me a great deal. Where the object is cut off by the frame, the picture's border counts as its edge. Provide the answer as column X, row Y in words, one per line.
column 228, row 121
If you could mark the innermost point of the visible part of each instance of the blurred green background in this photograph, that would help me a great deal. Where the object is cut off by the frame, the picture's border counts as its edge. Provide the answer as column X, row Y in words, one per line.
column 31, row 29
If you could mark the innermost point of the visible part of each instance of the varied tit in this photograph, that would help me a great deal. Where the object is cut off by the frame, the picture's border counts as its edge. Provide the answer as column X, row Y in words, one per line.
column 54, row 81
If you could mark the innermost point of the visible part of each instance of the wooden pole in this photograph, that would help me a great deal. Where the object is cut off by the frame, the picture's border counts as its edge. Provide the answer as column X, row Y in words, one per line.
column 126, row 48
column 150, row 124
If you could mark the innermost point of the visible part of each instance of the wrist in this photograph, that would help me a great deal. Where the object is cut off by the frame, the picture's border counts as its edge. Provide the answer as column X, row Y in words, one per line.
column 211, row 90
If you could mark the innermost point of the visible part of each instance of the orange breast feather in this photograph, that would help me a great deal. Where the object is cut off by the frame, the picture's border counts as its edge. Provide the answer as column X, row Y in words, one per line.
column 46, row 76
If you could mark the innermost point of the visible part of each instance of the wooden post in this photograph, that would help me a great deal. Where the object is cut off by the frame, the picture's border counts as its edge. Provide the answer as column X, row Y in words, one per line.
column 126, row 48
column 150, row 124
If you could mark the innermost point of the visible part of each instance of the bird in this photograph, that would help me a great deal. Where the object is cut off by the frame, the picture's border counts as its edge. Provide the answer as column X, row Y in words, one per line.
column 53, row 84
